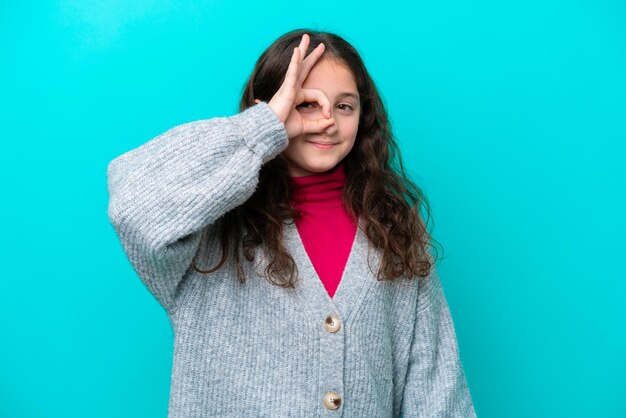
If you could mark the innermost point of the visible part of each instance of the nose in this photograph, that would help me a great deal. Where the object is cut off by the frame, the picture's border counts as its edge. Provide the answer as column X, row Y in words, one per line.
column 316, row 113
column 333, row 128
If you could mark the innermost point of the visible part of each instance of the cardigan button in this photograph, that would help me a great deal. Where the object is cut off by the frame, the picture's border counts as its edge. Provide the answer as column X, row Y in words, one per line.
column 332, row 400
column 332, row 323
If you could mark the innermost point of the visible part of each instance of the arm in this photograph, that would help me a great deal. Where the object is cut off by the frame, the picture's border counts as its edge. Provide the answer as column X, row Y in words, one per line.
column 165, row 192
column 435, row 383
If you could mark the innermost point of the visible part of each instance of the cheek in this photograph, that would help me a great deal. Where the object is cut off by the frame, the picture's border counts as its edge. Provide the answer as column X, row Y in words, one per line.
column 350, row 127
column 295, row 147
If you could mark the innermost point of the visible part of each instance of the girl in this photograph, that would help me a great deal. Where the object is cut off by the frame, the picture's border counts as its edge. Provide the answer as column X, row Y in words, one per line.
column 289, row 255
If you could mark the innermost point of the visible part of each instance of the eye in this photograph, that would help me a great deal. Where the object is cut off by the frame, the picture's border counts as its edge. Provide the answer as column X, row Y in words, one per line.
column 345, row 106
column 306, row 105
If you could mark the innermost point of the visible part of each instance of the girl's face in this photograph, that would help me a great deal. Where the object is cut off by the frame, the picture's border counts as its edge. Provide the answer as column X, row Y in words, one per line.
column 316, row 153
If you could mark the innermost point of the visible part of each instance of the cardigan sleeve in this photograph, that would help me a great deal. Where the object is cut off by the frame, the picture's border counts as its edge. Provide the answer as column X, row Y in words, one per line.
column 435, row 384
column 164, row 193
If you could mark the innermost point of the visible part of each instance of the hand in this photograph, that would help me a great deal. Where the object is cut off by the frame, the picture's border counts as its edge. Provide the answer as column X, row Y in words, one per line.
column 291, row 94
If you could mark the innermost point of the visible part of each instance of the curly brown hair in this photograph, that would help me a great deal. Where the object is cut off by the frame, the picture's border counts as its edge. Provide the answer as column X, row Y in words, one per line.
column 376, row 189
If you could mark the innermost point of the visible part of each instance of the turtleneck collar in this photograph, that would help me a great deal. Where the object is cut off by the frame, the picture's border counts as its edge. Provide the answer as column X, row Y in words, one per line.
column 320, row 189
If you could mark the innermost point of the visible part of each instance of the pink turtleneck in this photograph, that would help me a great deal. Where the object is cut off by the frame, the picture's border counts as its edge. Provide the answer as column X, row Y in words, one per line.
column 325, row 228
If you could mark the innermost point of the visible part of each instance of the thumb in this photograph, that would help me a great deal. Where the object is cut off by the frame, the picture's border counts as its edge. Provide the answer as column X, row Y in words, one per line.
column 316, row 125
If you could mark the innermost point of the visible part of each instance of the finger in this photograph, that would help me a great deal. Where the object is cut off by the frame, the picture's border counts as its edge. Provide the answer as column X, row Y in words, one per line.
column 291, row 77
column 314, row 126
column 310, row 61
column 304, row 45
column 257, row 101
column 314, row 95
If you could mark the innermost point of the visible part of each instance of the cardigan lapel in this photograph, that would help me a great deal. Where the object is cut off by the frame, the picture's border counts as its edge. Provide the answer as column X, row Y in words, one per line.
column 354, row 283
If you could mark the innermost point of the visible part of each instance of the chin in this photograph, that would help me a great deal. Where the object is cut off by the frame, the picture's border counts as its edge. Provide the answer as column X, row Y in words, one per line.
column 325, row 165
column 317, row 168
column 320, row 168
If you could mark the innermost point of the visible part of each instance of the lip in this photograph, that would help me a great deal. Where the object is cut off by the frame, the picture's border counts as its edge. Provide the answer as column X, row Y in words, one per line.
column 322, row 145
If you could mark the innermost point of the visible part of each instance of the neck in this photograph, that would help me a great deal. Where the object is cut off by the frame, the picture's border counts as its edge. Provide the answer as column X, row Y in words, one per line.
column 318, row 190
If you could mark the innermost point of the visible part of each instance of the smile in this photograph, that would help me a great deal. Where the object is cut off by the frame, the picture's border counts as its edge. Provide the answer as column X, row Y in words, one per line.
column 322, row 145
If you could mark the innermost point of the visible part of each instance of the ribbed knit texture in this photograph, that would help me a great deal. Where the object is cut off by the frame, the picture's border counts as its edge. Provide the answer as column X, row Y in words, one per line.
column 256, row 349
column 326, row 229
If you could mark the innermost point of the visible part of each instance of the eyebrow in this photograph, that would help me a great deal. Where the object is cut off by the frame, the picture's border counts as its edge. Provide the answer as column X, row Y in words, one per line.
column 348, row 94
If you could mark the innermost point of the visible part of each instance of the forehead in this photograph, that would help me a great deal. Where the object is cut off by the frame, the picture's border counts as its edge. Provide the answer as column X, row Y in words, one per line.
column 330, row 75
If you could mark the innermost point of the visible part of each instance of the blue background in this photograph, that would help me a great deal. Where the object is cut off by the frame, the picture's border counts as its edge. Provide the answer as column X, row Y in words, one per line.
column 510, row 115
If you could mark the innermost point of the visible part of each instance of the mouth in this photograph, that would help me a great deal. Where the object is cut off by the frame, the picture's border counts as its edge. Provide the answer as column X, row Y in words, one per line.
column 322, row 145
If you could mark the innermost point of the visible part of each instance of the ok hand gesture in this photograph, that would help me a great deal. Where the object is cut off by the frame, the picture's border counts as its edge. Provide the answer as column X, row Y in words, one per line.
column 291, row 94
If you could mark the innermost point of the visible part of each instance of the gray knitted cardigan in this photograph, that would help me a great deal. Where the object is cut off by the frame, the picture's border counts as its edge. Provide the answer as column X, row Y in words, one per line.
column 377, row 349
